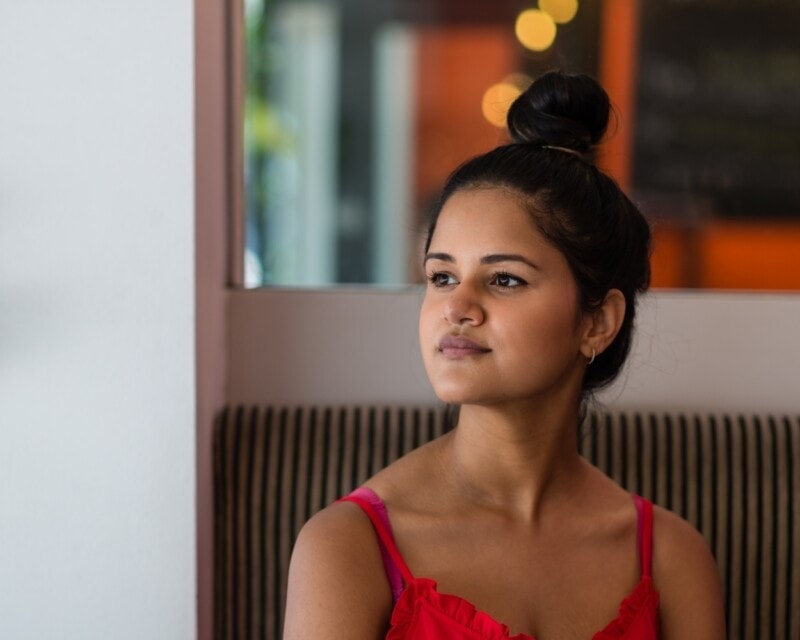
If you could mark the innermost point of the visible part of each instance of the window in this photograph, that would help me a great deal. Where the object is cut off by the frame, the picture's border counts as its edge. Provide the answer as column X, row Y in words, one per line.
column 356, row 111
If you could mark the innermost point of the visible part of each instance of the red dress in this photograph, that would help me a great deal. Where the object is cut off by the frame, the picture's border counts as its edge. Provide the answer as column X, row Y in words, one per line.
column 422, row 613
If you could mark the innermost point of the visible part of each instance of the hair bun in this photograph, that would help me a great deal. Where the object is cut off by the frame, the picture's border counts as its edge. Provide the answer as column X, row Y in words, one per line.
column 562, row 110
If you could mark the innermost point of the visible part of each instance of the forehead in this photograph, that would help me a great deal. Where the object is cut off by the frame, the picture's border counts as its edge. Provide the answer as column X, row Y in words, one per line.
column 493, row 218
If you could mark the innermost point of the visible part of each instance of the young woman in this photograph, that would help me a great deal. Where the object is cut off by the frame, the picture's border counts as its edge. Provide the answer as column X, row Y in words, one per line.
column 499, row 529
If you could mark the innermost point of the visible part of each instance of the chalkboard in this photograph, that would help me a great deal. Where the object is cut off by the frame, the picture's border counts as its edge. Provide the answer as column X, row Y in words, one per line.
column 718, row 105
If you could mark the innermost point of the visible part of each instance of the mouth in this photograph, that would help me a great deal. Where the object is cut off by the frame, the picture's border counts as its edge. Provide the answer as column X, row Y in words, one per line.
column 459, row 346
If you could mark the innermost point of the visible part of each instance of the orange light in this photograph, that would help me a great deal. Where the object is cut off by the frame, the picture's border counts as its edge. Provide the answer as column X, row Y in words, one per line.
column 535, row 29
column 562, row 11
column 496, row 101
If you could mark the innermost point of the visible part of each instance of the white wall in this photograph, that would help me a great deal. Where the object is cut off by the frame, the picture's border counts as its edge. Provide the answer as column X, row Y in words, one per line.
column 694, row 350
column 97, row 400
column 333, row 346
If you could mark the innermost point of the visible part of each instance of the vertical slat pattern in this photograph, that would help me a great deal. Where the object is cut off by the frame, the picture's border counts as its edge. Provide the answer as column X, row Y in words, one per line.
column 749, row 525
column 221, row 503
column 253, row 442
column 273, row 432
column 792, row 615
column 733, row 477
column 240, row 524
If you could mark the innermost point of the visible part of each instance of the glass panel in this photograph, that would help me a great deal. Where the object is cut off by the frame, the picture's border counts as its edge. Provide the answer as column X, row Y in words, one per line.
column 356, row 111
column 290, row 144
column 717, row 145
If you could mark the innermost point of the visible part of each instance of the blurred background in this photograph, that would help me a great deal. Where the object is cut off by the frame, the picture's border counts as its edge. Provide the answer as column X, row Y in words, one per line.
column 353, row 112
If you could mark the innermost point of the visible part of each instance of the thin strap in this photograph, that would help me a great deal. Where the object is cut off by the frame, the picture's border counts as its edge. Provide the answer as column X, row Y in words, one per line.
column 644, row 510
column 396, row 569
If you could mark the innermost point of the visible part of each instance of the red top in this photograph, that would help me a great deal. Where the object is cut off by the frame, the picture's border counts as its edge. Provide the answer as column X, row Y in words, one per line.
column 422, row 613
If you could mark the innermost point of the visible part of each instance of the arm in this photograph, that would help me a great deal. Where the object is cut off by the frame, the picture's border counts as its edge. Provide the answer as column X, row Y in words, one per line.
column 686, row 576
column 337, row 585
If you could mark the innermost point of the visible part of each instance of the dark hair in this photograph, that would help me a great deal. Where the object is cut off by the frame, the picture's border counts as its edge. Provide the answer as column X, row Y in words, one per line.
column 554, row 126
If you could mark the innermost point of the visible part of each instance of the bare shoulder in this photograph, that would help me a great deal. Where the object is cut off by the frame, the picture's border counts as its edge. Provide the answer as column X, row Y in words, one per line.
column 686, row 575
column 337, row 585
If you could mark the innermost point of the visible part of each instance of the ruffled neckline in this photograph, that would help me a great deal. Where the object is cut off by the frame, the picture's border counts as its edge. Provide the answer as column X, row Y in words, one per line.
column 480, row 622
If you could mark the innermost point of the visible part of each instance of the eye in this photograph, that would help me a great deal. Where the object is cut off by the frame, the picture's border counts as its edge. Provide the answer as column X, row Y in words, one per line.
column 507, row 281
column 441, row 279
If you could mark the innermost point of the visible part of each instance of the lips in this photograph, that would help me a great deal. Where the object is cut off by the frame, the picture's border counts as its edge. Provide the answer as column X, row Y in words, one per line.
column 458, row 346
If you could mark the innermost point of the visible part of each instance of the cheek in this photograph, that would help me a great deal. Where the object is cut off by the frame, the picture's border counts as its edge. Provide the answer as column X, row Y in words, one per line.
column 564, row 306
column 547, row 328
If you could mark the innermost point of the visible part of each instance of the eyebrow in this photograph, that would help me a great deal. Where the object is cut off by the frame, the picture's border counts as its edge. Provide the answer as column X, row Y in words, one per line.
column 493, row 258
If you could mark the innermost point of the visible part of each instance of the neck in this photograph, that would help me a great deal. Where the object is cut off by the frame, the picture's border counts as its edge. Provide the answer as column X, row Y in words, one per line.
column 514, row 458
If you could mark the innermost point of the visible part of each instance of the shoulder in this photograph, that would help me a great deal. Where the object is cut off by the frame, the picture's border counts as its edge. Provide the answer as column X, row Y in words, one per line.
column 337, row 585
column 686, row 576
column 680, row 551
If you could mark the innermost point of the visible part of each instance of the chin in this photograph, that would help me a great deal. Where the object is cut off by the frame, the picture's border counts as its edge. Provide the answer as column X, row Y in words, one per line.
column 450, row 393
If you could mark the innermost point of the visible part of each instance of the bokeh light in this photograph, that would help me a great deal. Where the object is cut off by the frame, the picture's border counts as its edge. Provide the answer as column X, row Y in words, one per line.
column 535, row 29
column 562, row 11
column 496, row 101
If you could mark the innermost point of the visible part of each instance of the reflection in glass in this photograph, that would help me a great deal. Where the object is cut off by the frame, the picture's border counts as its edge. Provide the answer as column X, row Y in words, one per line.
column 717, row 145
column 356, row 111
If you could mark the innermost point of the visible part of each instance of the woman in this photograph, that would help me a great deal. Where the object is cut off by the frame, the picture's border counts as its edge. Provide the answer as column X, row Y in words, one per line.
column 499, row 529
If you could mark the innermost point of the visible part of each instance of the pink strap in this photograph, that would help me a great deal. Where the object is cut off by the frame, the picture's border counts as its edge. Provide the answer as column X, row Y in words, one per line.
column 644, row 510
column 396, row 569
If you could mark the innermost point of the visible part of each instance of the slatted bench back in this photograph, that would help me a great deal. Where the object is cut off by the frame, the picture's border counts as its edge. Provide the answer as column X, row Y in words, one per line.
column 736, row 478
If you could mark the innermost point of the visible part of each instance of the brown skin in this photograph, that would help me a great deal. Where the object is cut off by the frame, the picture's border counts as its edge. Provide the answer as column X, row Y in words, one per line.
column 503, row 511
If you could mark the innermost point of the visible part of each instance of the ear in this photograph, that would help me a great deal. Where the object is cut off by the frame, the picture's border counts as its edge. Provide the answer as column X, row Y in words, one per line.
column 602, row 325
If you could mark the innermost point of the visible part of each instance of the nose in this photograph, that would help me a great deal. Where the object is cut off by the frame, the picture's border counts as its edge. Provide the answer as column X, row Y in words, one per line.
column 463, row 307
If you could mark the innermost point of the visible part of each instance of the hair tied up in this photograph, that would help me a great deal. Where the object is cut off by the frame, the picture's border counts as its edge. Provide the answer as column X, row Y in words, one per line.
column 561, row 111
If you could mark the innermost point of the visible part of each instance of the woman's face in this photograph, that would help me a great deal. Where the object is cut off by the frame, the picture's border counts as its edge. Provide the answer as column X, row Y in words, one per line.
column 500, row 320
